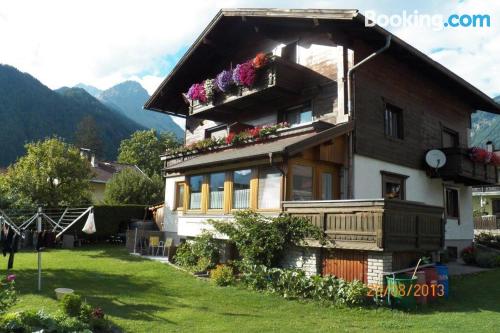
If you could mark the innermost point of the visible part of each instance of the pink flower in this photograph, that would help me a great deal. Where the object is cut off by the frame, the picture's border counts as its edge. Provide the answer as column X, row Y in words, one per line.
column 11, row 278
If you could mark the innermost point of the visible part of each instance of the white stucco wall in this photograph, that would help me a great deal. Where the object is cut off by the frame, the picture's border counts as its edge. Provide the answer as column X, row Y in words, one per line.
column 170, row 221
column 419, row 187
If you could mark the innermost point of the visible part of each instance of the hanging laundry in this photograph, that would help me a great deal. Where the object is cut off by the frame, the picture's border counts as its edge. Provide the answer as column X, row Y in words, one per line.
column 13, row 249
column 89, row 227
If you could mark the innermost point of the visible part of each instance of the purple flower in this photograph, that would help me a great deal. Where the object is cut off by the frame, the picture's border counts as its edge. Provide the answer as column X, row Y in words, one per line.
column 236, row 75
column 224, row 80
column 197, row 93
column 11, row 278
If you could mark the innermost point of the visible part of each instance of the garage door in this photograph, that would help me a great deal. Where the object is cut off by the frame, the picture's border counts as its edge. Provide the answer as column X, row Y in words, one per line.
column 346, row 264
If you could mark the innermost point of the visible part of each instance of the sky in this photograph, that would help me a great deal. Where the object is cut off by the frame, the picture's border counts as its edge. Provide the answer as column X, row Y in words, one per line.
column 102, row 43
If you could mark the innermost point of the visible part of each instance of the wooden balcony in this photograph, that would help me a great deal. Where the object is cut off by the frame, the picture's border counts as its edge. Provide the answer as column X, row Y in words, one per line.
column 277, row 82
column 461, row 169
column 376, row 225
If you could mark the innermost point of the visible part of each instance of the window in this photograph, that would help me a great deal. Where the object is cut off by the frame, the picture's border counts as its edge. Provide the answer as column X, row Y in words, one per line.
column 216, row 190
column 241, row 188
column 269, row 195
column 302, row 182
column 393, row 122
column 450, row 138
column 451, row 198
column 326, row 186
column 179, row 195
column 216, row 132
column 495, row 206
column 195, row 185
column 298, row 115
column 393, row 185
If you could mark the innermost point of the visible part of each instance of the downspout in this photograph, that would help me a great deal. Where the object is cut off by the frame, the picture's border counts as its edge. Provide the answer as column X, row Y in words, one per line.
column 351, row 113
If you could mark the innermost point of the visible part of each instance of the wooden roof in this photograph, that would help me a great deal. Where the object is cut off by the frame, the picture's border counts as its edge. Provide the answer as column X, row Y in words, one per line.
column 231, row 29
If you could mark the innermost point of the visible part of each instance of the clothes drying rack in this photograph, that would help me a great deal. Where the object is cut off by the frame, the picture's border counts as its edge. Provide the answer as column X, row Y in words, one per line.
column 57, row 220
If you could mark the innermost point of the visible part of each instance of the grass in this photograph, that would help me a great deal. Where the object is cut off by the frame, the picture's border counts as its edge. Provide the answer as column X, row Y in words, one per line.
column 144, row 296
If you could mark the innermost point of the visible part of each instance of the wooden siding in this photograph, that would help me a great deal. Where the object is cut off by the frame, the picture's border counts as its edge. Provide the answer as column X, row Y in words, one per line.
column 427, row 104
column 389, row 225
column 349, row 265
column 403, row 260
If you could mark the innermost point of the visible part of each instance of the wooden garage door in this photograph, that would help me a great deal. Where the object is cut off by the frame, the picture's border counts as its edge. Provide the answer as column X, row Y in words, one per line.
column 346, row 264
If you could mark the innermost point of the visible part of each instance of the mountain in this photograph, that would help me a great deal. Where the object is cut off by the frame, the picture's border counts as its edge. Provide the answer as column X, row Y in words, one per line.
column 128, row 98
column 30, row 111
column 90, row 89
column 486, row 127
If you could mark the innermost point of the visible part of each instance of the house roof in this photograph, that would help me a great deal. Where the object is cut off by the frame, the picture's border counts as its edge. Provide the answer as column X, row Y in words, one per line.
column 167, row 98
column 286, row 146
column 104, row 171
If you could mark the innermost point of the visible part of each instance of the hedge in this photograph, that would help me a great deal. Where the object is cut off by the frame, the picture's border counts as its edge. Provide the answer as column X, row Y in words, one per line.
column 110, row 220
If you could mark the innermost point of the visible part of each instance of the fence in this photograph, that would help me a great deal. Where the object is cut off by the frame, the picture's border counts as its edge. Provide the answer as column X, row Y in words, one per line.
column 487, row 222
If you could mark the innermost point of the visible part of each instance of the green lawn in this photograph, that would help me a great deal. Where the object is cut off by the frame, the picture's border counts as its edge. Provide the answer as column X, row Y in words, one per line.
column 145, row 296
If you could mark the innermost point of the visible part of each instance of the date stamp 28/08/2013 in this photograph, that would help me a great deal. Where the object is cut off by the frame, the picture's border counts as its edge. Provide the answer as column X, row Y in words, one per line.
column 417, row 290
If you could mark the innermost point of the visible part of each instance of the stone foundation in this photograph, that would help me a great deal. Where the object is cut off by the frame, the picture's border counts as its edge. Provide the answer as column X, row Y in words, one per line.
column 304, row 258
column 378, row 262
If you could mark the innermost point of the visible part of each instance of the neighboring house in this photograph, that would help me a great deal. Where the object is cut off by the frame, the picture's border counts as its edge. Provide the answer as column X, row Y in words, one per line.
column 352, row 160
column 102, row 173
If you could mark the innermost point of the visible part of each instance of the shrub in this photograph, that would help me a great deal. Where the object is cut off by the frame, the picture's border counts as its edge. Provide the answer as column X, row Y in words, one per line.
column 222, row 275
column 184, row 256
column 485, row 259
column 291, row 283
column 261, row 240
column 30, row 321
column 200, row 254
column 7, row 293
column 468, row 255
column 71, row 305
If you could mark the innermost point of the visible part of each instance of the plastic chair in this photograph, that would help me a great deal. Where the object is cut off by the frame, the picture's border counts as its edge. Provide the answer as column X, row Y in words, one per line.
column 154, row 242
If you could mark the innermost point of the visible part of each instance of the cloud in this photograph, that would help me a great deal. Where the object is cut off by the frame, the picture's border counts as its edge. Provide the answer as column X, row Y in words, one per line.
column 103, row 43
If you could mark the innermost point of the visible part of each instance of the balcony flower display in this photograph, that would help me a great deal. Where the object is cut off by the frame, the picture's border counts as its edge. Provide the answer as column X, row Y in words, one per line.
column 233, row 139
column 481, row 155
column 260, row 60
column 224, row 80
column 209, row 86
column 244, row 74
column 197, row 93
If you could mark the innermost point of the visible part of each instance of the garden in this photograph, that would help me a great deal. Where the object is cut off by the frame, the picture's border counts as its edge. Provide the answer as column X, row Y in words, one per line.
column 139, row 295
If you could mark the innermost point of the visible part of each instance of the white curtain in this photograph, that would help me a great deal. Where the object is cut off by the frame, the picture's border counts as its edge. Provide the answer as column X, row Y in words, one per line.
column 269, row 189
column 241, row 198
column 216, row 199
column 195, row 202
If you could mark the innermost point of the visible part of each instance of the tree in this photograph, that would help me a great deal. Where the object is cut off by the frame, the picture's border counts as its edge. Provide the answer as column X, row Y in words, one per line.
column 131, row 186
column 88, row 135
column 52, row 173
column 144, row 148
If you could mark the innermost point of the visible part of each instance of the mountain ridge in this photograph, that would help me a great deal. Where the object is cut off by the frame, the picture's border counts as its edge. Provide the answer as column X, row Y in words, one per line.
column 31, row 111
column 128, row 97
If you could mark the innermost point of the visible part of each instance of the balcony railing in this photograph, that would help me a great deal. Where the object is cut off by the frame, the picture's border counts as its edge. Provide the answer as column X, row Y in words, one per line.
column 280, row 79
column 388, row 225
column 487, row 222
column 461, row 169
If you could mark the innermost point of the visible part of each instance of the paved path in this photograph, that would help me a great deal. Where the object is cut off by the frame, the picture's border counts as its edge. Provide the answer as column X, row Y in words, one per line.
column 459, row 268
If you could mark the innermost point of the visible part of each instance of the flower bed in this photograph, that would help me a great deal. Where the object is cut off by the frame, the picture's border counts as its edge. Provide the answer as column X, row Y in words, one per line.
column 481, row 155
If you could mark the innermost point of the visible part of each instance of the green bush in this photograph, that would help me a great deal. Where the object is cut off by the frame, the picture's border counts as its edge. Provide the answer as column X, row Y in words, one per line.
column 261, row 240
column 7, row 294
column 468, row 255
column 200, row 254
column 37, row 321
column 292, row 283
column 184, row 256
column 71, row 305
column 222, row 275
column 485, row 259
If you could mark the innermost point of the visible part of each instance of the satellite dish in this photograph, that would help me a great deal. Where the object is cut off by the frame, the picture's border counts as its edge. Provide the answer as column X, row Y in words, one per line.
column 435, row 158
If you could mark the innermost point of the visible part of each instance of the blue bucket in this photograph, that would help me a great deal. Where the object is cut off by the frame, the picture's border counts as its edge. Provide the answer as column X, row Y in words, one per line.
column 442, row 272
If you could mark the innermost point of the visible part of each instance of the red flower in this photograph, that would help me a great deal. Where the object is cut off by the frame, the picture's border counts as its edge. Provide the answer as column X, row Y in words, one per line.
column 11, row 277
column 230, row 138
column 255, row 132
column 260, row 60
